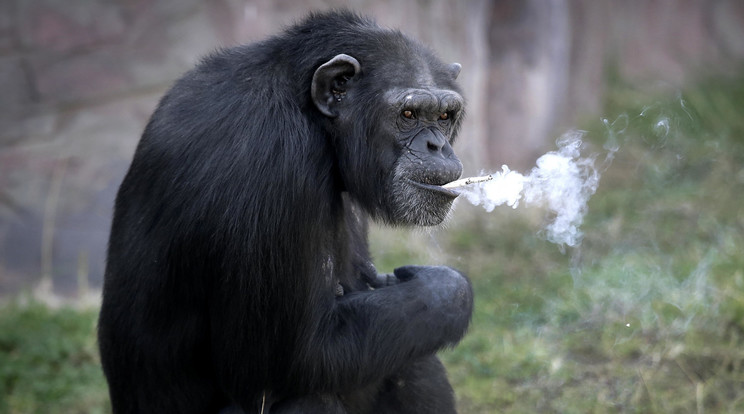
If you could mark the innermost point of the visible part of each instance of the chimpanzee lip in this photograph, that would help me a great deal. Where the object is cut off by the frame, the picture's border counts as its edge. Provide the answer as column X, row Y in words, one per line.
column 434, row 188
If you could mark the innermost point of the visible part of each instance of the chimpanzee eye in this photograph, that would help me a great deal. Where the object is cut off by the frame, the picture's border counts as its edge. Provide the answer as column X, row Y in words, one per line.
column 408, row 114
column 444, row 116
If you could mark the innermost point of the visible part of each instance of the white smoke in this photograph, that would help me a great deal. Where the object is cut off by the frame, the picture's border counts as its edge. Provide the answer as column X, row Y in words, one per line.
column 562, row 182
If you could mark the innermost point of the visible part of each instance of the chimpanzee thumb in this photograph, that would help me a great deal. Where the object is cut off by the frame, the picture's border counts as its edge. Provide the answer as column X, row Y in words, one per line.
column 406, row 273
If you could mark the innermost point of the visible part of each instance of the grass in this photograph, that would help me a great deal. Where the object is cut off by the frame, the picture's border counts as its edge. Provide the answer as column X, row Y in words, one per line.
column 49, row 360
column 646, row 316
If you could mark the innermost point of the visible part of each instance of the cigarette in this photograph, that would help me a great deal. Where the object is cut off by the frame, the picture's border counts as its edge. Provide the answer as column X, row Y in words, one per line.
column 467, row 181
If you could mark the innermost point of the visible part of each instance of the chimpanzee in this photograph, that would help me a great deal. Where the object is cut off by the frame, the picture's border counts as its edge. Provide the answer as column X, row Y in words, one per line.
column 238, row 277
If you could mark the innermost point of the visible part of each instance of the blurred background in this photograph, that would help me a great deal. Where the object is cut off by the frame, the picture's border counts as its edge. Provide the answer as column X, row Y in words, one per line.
column 645, row 315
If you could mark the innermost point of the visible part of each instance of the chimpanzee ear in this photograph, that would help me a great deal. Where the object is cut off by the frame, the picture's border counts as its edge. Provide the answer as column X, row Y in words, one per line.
column 330, row 83
column 455, row 69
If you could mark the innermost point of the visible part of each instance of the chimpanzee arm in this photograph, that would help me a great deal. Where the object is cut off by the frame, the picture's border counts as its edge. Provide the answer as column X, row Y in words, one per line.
column 369, row 335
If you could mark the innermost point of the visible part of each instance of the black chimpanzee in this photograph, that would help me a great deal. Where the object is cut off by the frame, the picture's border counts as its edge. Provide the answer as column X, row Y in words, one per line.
column 238, row 276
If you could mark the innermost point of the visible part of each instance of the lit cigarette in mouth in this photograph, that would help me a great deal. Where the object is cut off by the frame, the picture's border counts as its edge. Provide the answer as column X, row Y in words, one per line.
column 467, row 181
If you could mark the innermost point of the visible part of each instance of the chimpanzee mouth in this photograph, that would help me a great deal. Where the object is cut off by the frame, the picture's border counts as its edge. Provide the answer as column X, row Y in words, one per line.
column 435, row 188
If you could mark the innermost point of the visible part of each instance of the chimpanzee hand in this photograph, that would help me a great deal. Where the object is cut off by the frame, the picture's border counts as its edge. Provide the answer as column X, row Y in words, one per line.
column 445, row 293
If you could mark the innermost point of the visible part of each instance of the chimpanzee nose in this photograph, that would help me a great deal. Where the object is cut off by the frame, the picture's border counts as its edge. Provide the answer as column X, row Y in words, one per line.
column 432, row 151
column 432, row 142
column 435, row 142
column 434, row 146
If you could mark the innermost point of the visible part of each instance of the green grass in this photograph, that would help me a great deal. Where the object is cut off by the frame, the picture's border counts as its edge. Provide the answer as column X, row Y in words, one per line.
column 49, row 361
column 647, row 316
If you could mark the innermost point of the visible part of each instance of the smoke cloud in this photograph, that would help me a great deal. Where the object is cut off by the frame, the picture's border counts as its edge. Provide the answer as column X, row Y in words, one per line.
column 562, row 182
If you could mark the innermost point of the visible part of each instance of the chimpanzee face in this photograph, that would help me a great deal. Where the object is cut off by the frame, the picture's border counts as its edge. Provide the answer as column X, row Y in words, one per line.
column 393, row 139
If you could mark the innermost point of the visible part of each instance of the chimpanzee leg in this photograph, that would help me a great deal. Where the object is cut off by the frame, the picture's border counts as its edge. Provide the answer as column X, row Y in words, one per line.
column 421, row 387
column 316, row 404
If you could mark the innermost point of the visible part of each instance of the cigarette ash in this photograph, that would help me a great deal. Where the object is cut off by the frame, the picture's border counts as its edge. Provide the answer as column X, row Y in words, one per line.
column 562, row 182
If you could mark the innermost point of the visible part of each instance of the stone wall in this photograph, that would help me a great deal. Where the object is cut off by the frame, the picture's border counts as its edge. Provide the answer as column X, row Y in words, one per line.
column 80, row 79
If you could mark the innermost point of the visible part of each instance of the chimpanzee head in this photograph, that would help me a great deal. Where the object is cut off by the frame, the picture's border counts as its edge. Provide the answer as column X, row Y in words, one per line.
column 393, row 115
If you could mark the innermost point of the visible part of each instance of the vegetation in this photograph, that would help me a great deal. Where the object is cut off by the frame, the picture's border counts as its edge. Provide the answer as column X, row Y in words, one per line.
column 49, row 360
column 646, row 316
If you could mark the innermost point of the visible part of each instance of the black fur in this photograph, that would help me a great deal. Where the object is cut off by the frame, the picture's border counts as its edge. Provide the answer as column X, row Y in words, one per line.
column 238, row 273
